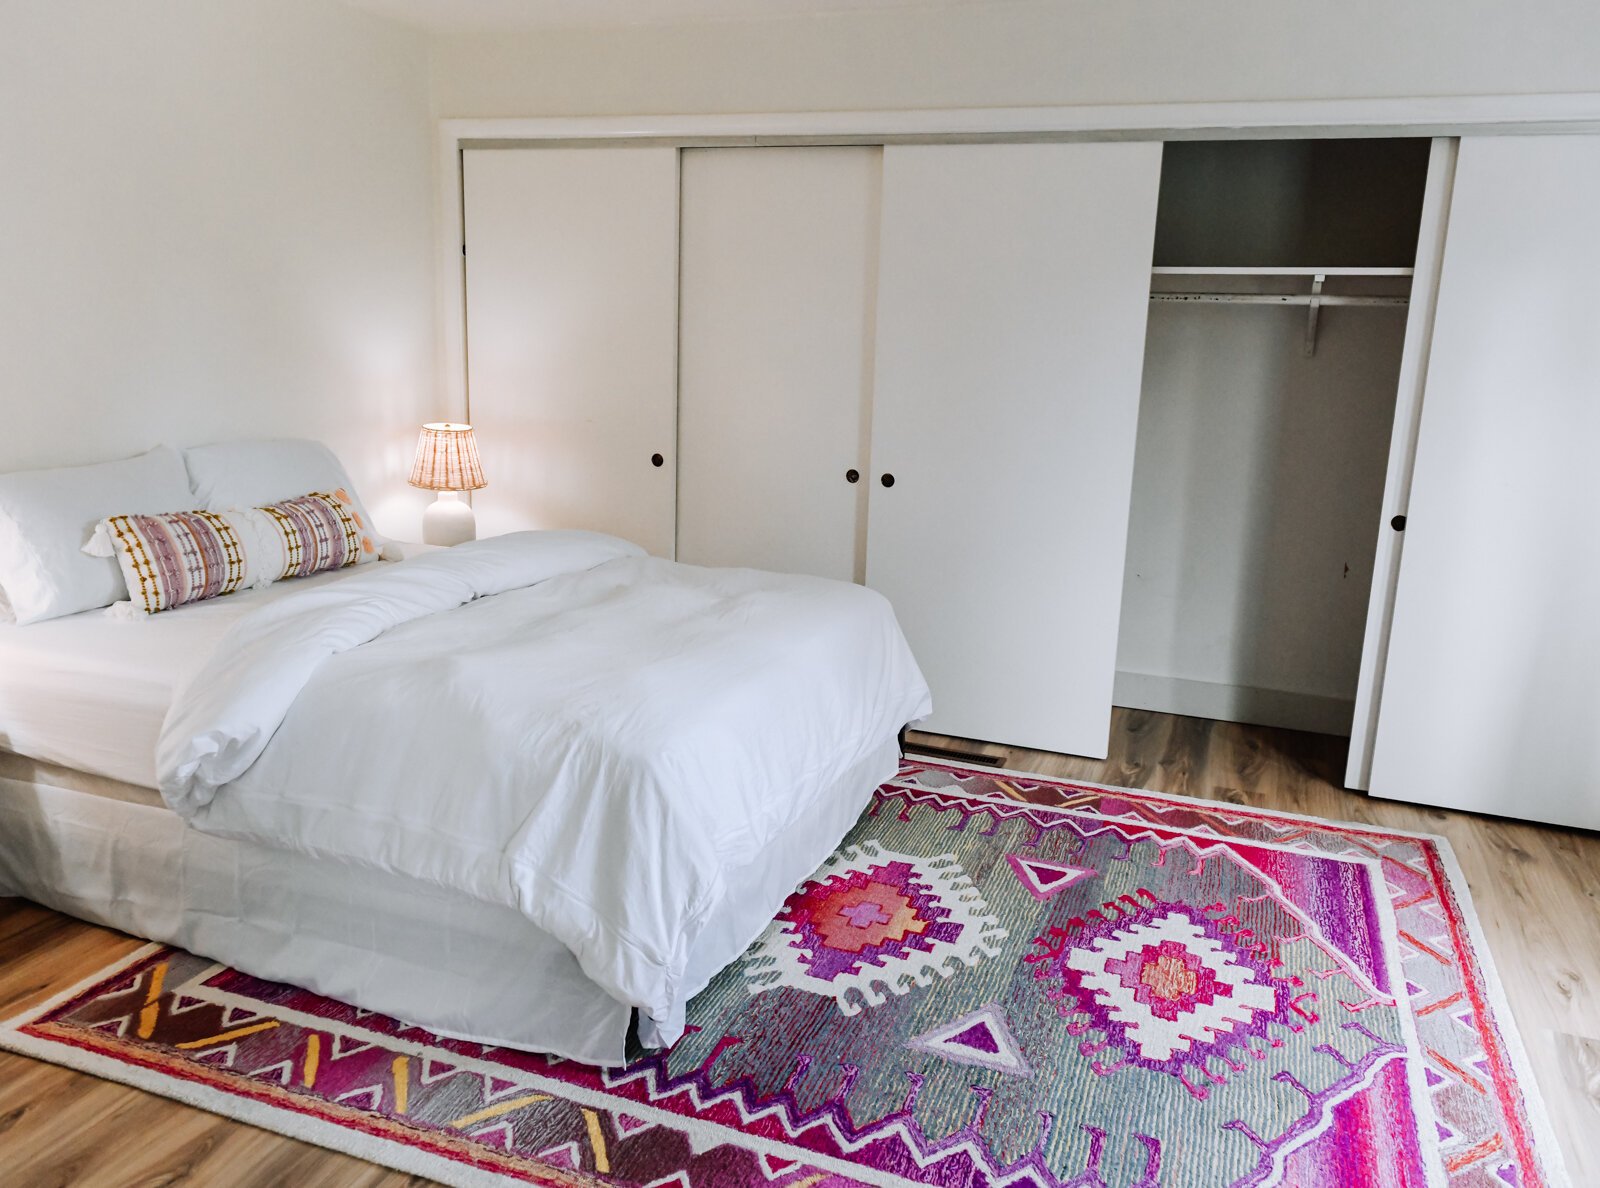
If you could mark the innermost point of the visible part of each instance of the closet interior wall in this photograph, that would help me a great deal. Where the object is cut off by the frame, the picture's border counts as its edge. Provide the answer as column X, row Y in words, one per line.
column 1259, row 469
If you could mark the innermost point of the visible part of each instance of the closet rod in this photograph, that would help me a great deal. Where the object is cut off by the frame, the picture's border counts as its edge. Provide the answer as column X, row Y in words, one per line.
column 1278, row 299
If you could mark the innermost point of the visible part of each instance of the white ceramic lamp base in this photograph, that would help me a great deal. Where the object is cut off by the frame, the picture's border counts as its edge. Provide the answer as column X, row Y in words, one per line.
column 448, row 521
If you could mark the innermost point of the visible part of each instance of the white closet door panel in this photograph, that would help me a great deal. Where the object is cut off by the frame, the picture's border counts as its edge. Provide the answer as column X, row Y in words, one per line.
column 1491, row 696
column 1013, row 286
column 572, row 328
column 779, row 257
column 1402, row 457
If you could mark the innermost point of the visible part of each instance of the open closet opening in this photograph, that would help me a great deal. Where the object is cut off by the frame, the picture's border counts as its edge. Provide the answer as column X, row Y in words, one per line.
column 1272, row 358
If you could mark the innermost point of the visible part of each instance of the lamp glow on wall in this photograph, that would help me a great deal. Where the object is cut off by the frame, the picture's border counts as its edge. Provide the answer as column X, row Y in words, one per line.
column 447, row 462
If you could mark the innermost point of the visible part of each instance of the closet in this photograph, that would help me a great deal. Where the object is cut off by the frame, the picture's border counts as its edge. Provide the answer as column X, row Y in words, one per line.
column 1292, row 432
column 1280, row 303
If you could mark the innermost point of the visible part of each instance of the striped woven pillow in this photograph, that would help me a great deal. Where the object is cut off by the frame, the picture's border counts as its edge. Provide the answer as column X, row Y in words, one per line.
column 180, row 557
column 312, row 533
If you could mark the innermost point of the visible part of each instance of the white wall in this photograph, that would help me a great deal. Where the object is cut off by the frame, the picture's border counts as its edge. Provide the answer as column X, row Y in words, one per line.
column 217, row 221
column 1027, row 52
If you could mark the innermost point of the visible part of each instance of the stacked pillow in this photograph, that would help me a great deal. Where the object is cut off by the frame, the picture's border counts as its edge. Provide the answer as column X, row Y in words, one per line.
column 45, row 515
column 269, row 510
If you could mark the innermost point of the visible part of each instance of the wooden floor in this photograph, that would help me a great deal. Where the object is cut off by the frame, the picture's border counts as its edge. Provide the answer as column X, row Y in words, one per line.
column 1537, row 892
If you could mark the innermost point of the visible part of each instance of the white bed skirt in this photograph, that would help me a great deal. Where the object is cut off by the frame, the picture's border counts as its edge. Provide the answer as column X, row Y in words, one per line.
column 453, row 965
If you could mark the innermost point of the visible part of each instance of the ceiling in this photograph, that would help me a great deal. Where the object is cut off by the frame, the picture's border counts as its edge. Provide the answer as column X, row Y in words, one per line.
column 480, row 16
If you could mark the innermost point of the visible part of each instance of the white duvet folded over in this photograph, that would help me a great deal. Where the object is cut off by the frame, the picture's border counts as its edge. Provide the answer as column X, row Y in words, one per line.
column 549, row 720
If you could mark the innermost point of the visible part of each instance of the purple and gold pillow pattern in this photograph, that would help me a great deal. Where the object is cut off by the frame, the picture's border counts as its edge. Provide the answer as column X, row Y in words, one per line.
column 178, row 557
column 317, row 532
column 181, row 557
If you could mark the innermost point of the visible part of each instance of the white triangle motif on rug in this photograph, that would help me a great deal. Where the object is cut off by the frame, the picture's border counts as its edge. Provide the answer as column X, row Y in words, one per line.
column 436, row 1070
column 235, row 1016
column 343, row 1047
column 566, row 1155
column 499, row 1135
column 182, row 1004
column 1044, row 879
column 772, row 1166
column 220, row 1057
column 980, row 1037
column 494, row 1088
column 282, row 1072
column 628, row 1126
column 371, row 1094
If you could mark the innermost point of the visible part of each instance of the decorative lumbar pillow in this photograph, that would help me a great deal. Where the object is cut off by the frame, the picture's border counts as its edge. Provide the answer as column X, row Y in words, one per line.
column 46, row 515
column 180, row 557
column 312, row 533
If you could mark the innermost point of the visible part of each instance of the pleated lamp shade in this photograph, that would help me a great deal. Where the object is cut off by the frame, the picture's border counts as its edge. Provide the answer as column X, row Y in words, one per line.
column 447, row 459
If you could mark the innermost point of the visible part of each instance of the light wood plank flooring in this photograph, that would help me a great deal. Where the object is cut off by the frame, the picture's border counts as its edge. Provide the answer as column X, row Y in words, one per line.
column 1537, row 892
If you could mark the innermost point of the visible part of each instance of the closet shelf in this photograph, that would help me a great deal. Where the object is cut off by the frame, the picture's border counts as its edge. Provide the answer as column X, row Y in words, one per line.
column 1313, row 301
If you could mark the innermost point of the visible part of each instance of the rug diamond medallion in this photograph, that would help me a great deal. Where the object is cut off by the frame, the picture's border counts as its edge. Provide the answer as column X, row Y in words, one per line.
column 996, row 981
column 1167, row 987
column 872, row 923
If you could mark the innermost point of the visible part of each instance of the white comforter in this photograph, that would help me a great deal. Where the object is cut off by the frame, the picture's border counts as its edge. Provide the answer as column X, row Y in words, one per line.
column 548, row 720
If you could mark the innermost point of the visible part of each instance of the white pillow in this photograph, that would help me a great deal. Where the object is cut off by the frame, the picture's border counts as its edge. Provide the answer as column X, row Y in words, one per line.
column 47, row 515
column 247, row 474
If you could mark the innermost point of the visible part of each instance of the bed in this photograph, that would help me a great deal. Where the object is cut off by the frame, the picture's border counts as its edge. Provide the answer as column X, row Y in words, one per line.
column 532, row 791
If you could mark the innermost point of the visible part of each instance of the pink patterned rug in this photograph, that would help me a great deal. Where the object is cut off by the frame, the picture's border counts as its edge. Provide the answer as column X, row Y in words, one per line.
column 998, row 980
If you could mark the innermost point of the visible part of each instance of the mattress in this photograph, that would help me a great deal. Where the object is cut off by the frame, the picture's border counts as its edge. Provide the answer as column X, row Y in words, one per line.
column 89, row 691
column 20, row 769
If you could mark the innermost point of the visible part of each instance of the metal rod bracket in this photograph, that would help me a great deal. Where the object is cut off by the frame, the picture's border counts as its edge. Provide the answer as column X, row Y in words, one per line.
column 1313, row 308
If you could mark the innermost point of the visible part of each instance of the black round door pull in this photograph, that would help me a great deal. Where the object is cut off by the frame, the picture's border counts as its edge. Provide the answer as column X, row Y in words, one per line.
column 1398, row 523
column 887, row 480
column 852, row 476
column 657, row 460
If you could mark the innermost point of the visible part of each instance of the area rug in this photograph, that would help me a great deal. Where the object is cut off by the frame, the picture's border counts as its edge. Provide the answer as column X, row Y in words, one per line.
column 998, row 980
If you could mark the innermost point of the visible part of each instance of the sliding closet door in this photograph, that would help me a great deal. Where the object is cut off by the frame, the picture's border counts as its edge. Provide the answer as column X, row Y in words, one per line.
column 1013, row 284
column 1491, row 698
column 572, row 328
column 779, row 258
column 1402, row 457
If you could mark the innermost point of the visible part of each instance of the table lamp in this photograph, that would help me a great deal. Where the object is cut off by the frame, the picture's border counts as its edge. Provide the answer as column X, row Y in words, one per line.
column 447, row 462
